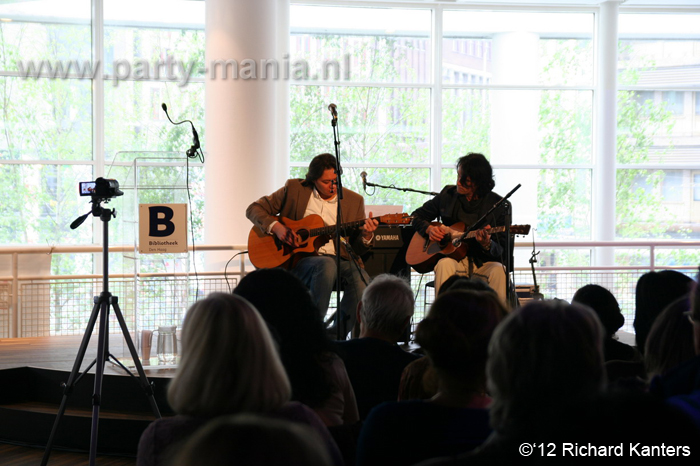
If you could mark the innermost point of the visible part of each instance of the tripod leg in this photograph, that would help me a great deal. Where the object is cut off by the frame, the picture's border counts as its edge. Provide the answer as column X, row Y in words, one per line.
column 68, row 387
column 147, row 388
column 103, row 336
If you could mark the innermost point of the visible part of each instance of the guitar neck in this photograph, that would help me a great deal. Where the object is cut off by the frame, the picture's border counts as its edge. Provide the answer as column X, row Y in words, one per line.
column 330, row 229
column 471, row 234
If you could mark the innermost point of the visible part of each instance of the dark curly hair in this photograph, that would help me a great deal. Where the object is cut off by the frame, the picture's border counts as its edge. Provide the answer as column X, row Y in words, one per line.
column 317, row 166
column 456, row 333
column 603, row 302
column 475, row 167
column 296, row 324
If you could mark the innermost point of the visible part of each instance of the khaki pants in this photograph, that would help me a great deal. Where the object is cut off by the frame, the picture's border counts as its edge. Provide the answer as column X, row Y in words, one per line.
column 493, row 273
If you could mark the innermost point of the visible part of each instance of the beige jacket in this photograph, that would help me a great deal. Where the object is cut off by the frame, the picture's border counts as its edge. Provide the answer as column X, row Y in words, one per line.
column 291, row 200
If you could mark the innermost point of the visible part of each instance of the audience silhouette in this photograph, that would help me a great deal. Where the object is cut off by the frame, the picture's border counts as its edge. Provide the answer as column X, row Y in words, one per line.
column 606, row 307
column 317, row 374
column 374, row 361
column 455, row 337
column 251, row 440
column 229, row 365
column 490, row 380
column 655, row 291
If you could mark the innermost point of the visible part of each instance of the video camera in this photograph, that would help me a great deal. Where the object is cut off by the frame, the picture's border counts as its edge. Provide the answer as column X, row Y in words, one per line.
column 101, row 188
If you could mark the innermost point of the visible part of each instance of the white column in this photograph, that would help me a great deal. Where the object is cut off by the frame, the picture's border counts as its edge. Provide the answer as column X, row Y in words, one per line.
column 606, row 131
column 436, row 181
column 283, row 122
column 245, row 120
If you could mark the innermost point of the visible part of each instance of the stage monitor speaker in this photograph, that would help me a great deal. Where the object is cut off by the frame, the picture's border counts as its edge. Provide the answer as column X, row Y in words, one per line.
column 389, row 252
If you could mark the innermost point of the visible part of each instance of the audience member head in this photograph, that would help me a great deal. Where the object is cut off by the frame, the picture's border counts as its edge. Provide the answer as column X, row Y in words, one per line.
column 606, row 307
column 655, row 291
column 249, row 440
column 295, row 322
column 229, row 363
column 456, row 332
column 386, row 307
column 285, row 303
column 695, row 315
column 459, row 282
column 670, row 340
column 541, row 355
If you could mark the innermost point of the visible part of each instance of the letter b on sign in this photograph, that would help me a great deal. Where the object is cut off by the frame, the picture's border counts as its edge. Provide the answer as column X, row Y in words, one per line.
column 160, row 221
column 162, row 228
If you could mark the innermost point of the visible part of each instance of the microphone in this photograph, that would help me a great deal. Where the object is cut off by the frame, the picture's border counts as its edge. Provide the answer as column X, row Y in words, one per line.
column 334, row 111
column 363, row 175
column 192, row 151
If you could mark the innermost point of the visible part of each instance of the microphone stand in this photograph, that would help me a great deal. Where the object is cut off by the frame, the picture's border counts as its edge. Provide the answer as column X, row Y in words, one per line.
column 508, row 259
column 375, row 185
column 339, row 318
column 483, row 218
column 338, row 219
column 533, row 258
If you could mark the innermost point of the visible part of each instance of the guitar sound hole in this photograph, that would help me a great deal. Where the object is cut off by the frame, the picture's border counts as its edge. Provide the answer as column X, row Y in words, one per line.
column 303, row 235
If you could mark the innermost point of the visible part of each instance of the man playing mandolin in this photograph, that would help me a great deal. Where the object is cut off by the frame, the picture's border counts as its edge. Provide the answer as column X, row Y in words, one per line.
column 317, row 194
column 463, row 205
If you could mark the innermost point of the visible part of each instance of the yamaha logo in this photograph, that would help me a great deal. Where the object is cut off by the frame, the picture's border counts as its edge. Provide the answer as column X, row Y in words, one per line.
column 387, row 237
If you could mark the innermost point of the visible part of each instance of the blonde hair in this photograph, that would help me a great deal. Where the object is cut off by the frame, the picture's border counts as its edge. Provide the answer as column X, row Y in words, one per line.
column 229, row 363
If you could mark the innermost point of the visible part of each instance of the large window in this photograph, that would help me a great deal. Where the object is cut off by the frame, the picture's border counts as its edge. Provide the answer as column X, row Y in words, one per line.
column 46, row 125
column 528, row 103
column 57, row 103
column 383, row 96
column 523, row 96
column 658, row 147
column 415, row 86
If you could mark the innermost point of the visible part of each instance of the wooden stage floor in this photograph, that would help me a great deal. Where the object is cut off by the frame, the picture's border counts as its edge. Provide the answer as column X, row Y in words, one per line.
column 59, row 353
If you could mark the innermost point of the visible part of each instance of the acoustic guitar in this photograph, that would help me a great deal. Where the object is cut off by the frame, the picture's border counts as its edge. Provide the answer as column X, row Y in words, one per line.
column 422, row 253
column 267, row 251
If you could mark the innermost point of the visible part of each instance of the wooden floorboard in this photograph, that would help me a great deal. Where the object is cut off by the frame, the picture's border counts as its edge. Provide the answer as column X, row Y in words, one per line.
column 60, row 353
column 50, row 408
column 18, row 455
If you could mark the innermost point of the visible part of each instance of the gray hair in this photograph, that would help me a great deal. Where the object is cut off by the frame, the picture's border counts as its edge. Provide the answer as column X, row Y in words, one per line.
column 386, row 303
column 541, row 355
column 229, row 362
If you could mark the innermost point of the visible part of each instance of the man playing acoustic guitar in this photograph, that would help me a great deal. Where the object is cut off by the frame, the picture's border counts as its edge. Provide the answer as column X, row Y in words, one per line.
column 466, row 203
column 317, row 194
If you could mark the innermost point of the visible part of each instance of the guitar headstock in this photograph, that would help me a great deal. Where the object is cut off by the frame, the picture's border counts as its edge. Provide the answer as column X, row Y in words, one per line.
column 519, row 229
column 395, row 219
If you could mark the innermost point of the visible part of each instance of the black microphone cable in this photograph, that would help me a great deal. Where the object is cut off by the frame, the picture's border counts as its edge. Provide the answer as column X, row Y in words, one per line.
column 192, row 152
column 195, row 151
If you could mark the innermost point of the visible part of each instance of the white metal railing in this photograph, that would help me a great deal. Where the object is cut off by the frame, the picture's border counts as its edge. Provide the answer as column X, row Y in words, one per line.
column 11, row 285
column 19, row 303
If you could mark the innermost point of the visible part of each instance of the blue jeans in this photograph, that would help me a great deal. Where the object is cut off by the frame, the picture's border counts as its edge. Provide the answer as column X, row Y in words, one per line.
column 318, row 274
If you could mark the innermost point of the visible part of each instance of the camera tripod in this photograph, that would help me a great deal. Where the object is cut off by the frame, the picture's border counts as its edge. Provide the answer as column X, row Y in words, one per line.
column 101, row 309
